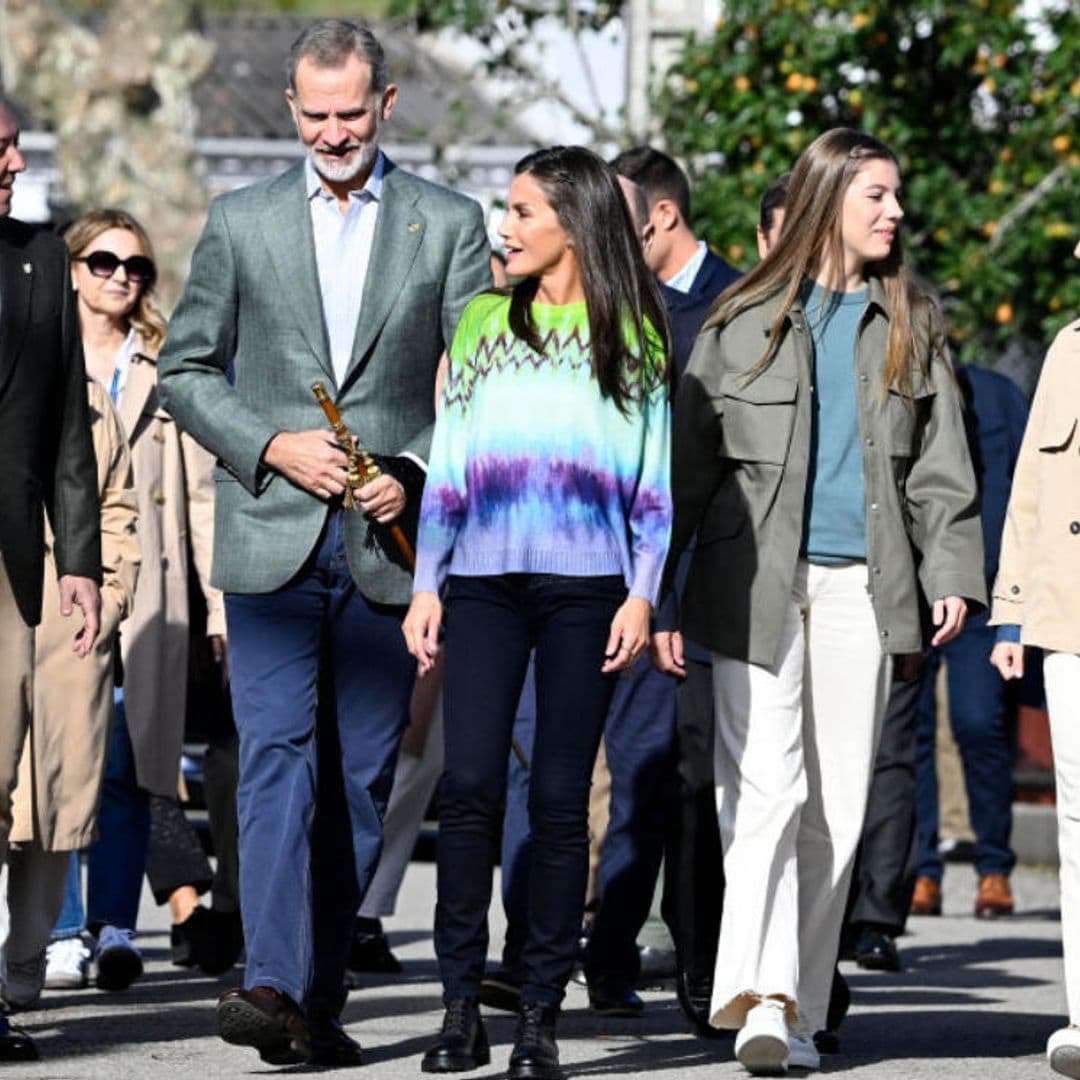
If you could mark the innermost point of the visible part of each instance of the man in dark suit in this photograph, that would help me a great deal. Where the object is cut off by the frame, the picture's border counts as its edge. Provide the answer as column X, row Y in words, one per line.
column 661, row 770
column 48, row 460
column 347, row 270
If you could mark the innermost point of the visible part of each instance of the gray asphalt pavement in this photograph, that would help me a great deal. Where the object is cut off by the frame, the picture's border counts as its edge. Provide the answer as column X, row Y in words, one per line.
column 976, row 1000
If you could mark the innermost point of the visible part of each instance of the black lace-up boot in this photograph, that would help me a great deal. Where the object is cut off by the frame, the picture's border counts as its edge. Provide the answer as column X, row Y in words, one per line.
column 535, row 1055
column 462, row 1042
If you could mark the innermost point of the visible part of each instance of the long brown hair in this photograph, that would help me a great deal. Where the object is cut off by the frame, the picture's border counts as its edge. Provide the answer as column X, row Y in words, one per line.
column 83, row 231
column 811, row 236
column 620, row 292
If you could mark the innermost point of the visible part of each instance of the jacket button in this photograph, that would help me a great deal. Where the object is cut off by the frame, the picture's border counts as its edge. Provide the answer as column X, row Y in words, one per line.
column 1074, row 528
column 877, row 570
column 873, row 506
column 863, row 377
column 1015, row 589
column 159, row 497
column 869, row 442
column 884, row 633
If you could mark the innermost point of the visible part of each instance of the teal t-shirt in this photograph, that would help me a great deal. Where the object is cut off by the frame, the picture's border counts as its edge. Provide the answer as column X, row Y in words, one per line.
column 834, row 518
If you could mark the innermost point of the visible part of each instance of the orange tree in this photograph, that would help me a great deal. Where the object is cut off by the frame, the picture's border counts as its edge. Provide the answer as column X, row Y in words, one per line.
column 980, row 107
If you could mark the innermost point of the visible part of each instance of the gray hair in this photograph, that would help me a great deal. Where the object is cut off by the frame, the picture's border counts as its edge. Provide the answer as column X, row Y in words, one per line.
column 328, row 43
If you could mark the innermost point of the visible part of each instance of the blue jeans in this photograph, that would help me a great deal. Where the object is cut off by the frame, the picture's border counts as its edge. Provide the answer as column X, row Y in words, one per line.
column 321, row 682
column 72, row 920
column 977, row 715
column 116, row 861
column 492, row 624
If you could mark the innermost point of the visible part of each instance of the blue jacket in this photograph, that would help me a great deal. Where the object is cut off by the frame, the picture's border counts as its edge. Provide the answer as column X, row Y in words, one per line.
column 687, row 310
column 995, row 416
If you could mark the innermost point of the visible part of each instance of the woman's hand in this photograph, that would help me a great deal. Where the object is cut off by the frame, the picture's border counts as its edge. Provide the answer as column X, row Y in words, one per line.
column 667, row 653
column 1008, row 658
column 949, row 615
column 629, row 635
column 421, row 629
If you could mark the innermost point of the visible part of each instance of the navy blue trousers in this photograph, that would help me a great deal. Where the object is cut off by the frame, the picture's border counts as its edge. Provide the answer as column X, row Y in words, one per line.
column 321, row 682
column 977, row 715
column 492, row 624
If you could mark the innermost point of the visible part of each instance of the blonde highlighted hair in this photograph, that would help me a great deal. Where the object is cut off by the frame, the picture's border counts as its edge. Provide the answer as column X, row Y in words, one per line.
column 83, row 231
column 811, row 237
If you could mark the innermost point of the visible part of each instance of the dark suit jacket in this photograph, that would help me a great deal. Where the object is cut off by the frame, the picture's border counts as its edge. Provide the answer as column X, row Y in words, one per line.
column 687, row 310
column 45, row 447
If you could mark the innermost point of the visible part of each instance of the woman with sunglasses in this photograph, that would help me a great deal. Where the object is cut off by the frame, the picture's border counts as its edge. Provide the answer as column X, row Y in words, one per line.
column 113, row 274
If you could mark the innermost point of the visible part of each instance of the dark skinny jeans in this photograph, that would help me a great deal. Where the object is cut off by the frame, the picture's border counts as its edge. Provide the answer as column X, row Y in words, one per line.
column 492, row 623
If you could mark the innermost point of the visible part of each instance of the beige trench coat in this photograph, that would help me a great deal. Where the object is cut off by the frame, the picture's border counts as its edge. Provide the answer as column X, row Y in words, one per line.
column 175, row 489
column 62, row 766
column 1038, row 580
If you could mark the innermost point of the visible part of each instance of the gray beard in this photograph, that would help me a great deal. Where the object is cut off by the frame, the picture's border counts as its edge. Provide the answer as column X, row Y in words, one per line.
column 341, row 170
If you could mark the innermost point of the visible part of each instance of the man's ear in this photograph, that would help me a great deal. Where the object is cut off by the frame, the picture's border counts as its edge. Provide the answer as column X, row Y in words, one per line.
column 665, row 215
column 389, row 99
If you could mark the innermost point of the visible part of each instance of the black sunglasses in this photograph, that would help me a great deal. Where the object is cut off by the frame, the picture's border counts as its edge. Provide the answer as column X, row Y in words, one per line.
column 103, row 264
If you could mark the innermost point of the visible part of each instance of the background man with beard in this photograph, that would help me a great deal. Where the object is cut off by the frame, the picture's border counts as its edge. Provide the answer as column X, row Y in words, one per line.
column 348, row 270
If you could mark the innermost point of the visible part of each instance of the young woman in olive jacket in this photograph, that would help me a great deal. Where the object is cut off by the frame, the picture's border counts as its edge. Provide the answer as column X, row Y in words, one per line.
column 819, row 455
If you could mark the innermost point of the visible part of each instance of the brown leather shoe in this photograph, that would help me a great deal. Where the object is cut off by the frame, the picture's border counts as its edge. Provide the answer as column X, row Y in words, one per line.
column 266, row 1019
column 926, row 899
column 995, row 897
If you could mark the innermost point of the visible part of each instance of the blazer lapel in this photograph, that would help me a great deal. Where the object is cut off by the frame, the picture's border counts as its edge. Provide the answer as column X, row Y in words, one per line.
column 399, row 231
column 16, row 283
column 141, row 383
column 288, row 235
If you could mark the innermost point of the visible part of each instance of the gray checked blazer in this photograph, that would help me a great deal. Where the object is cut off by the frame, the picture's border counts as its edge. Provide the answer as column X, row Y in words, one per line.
column 248, row 338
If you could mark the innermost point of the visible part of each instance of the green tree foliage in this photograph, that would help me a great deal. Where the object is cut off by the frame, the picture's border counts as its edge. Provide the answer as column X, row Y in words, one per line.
column 981, row 113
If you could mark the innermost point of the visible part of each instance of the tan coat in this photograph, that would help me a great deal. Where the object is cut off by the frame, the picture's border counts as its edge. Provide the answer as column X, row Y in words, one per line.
column 61, row 770
column 175, row 489
column 1038, row 581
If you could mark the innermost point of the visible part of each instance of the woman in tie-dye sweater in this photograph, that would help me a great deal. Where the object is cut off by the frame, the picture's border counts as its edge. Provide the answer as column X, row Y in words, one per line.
column 544, row 525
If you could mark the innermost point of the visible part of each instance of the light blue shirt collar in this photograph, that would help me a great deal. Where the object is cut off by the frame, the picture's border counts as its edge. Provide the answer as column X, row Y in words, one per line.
column 372, row 188
column 683, row 281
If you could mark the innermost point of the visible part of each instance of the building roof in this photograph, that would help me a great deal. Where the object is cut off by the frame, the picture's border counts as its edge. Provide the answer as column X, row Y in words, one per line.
column 242, row 95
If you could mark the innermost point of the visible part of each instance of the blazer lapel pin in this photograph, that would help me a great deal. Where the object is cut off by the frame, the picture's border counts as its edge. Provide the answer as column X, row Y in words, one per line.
column 26, row 268
column 414, row 227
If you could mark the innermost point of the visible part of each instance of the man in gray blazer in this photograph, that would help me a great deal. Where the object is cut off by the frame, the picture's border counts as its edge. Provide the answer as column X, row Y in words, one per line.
column 348, row 270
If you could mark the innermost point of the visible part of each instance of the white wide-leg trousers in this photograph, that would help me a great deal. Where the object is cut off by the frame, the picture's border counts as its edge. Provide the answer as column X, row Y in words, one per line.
column 794, row 752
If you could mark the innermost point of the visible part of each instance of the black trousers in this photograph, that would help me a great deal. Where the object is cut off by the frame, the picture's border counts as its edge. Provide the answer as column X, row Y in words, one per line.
column 884, row 874
column 492, row 623
column 693, row 897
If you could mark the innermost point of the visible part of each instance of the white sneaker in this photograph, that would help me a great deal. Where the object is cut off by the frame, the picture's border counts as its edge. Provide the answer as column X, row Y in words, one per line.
column 802, row 1053
column 1063, row 1051
column 23, row 981
column 119, row 962
column 761, row 1047
column 67, row 964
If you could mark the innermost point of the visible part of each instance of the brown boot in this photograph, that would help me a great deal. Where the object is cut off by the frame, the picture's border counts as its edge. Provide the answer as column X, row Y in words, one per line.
column 926, row 899
column 995, row 897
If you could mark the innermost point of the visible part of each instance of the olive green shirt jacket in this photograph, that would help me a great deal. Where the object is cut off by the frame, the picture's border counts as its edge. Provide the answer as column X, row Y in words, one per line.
column 740, row 458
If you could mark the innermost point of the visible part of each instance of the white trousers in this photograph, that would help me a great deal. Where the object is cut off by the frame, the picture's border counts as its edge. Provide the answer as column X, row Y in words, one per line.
column 1061, row 675
column 794, row 752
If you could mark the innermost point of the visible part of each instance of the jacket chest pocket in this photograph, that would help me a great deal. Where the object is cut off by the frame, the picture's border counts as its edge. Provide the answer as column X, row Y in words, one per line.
column 905, row 418
column 757, row 417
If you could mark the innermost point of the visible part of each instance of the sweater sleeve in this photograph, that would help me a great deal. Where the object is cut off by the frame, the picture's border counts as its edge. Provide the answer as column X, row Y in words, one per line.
column 445, row 499
column 651, row 511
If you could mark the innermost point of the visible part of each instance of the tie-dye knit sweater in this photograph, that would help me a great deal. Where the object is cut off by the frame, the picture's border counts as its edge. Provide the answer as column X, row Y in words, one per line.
column 532, row 470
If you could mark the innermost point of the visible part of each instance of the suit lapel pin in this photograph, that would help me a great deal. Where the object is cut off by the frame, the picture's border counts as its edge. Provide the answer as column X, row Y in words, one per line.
column 414, row 227
column 26, row 268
